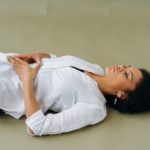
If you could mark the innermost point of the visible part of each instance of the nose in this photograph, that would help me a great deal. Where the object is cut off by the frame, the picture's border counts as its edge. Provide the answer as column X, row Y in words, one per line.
column 121, row 67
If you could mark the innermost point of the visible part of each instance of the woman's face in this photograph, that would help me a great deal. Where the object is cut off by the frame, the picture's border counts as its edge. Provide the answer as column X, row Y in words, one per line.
column 123, row 78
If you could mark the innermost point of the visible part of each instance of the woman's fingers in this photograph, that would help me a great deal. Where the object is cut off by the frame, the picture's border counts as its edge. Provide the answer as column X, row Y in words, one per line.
column 19, row 60
column 12, row 60
column 15, row 60
column 17, row 63
column 23, row 69
column 25, row 57
column 9, row 58
column 29, row 58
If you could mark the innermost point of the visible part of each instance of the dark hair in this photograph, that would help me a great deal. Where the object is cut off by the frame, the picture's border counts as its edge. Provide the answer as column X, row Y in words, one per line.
column 1, row 112
column 137, row 101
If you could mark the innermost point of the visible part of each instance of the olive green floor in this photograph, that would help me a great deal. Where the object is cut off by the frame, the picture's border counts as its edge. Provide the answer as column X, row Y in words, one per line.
column 103, row 32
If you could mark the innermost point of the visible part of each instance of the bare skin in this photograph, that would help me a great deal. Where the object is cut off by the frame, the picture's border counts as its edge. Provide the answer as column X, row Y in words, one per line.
column 117, row 80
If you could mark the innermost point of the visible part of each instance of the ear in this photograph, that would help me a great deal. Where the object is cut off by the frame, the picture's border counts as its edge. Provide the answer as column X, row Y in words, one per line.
column 122, row 95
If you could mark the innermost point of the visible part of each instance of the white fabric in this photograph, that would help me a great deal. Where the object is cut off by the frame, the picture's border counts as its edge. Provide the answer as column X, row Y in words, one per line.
column 72, row 94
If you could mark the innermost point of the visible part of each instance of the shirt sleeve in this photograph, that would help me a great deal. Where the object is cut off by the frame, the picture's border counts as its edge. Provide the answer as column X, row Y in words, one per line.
column 78, row 116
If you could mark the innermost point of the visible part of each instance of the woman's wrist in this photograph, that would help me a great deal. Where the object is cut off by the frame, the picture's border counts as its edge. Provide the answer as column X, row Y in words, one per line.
column 27, row 82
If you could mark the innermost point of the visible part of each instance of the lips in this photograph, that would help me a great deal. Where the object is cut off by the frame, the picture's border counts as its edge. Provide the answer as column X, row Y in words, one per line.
column 114, row 68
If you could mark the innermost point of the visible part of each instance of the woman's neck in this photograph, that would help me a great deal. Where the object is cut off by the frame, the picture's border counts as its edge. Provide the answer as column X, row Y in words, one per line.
column 103, row 85
column 102, row 82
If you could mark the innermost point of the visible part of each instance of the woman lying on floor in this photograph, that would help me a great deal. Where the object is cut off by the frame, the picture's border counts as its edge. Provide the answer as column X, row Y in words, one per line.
column 76, row 90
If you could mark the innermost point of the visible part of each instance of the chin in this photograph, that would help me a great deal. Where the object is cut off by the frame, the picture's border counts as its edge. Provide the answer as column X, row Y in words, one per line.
column 106, row 70
column 109, row 70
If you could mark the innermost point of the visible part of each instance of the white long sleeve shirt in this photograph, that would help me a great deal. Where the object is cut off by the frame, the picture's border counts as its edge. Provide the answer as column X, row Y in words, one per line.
column 73, row 95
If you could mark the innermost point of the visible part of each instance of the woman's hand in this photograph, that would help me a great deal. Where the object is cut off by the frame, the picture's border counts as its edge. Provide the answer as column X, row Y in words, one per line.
column 23, row 69
column 29, row 58
column 32, row 58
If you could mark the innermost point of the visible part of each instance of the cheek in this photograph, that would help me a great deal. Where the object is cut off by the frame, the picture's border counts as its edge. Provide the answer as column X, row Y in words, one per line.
column 117, row 82
column 122, row 85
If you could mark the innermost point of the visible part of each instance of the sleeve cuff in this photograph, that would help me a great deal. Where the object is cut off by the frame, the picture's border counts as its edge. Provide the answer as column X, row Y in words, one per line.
column 34, row 117
column 30, row 121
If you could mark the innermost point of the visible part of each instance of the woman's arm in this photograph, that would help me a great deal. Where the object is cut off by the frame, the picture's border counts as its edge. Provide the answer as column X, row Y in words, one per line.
column 30, row 102
column 76, row 117
column 26, row 75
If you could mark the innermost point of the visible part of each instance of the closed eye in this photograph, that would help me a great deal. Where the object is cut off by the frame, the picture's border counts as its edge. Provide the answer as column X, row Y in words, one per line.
column 126, row 75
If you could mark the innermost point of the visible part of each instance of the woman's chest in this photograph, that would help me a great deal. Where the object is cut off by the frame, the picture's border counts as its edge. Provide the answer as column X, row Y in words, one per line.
column 66, row 81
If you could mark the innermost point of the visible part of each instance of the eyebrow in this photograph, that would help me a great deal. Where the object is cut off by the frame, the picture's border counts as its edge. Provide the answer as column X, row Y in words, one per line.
column 131, row 75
